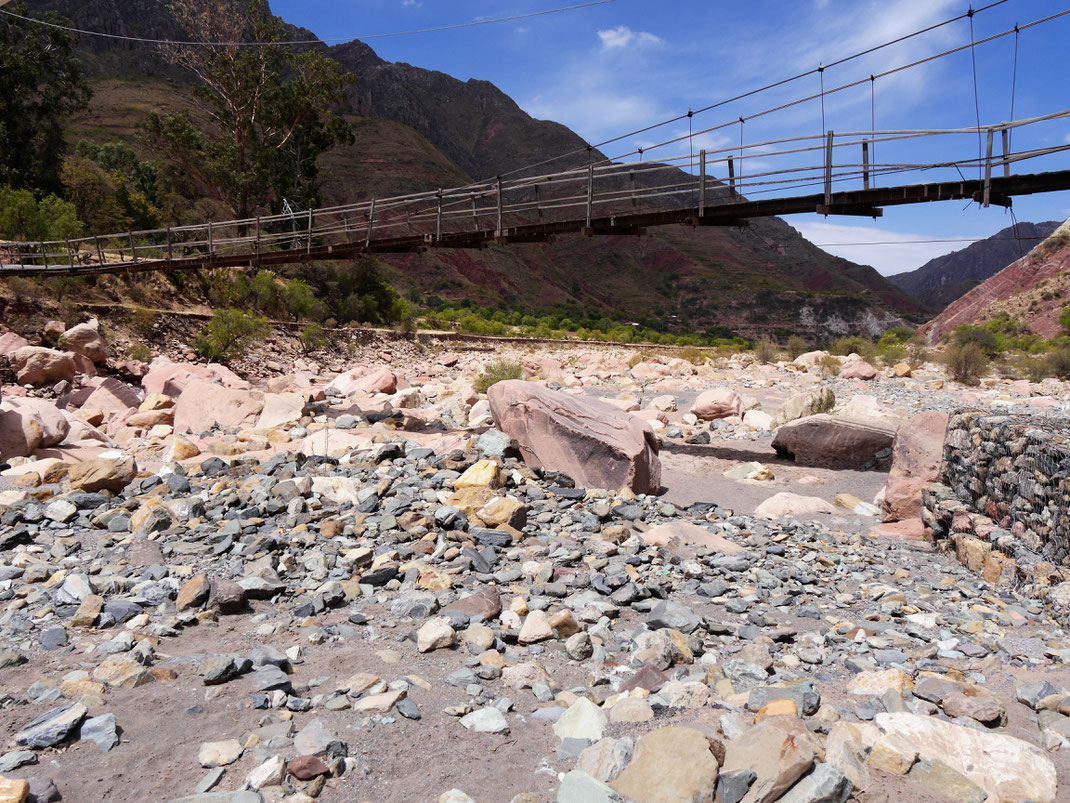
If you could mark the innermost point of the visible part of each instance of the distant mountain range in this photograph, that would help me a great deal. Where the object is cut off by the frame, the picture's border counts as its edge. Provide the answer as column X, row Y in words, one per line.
column 942, row 280
column 1033, row 290
column 419, row 129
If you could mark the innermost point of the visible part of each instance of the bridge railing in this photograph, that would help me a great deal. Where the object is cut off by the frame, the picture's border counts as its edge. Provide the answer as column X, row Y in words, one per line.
column 595, row 195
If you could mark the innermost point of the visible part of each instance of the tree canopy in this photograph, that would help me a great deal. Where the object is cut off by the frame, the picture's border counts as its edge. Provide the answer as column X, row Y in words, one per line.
column 41, row 83
column 270, row 110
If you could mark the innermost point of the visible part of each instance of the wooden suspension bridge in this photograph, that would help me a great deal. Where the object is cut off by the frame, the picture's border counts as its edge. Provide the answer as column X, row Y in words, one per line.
column 595, row 200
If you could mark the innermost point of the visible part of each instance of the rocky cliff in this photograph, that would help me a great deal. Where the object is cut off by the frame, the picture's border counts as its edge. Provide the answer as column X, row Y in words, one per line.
column 942, row 280
column 1033, row 289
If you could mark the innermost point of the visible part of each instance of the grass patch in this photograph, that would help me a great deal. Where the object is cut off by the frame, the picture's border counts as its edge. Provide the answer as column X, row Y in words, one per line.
column 496, row 372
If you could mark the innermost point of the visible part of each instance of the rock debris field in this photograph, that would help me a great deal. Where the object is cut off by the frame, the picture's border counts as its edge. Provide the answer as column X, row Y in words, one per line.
column 618, row 579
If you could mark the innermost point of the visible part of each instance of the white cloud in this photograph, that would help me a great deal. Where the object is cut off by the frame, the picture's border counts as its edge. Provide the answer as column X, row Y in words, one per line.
column 595, row 108
column 411, row 3
column 897, row 253
column 622, row 36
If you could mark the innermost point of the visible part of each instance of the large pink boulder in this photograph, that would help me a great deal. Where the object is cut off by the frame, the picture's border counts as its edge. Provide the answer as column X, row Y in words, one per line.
column 35, row 365
column 593, row 442
column 11, row 342
column 27, row 425
column 112, row 398
column 859, row 370
column 916, row 455
column 919, row 446
column 363, row 379
column 84, row 339
column 205, row 403
column 172, row 379
column 541, row 367
column 718, row 403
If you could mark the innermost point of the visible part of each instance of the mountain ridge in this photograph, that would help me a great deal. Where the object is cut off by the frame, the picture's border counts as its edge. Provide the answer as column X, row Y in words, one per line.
column 942, row 280
column 706, row 277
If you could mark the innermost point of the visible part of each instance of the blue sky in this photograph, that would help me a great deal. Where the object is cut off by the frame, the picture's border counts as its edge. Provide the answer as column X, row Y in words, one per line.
column 610, row 69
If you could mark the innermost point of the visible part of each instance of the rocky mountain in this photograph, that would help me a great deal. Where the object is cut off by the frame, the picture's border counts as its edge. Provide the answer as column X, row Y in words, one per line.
column 419, row 129
column 942, row 280
column 1033, row 289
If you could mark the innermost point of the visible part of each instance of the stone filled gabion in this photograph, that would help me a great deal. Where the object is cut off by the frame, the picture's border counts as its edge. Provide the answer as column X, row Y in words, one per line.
column 1014, row 470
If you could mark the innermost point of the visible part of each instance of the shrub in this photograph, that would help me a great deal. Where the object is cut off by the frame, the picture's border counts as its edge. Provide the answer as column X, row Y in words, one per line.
column 863, row 347
column 829, row 365
column 1058, row 362
column 967, row 362
column 142, row 321
column 766, row 351
column 796, row 346
column 313, row 338
column 892, row 353
column 498, row 372
column 693, row 354
column 229, row 333
column 139, row 352
column 1064, row 319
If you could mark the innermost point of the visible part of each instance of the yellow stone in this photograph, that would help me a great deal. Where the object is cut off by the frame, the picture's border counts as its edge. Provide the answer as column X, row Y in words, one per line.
column 183, row 449
column 901, row 369
column 778, row 708
column 892, row 754
column 156, row 401
column 470, row 500
column 483, row 474
column 143, row 512
column 504, row 510
column 847, row 501
column 14, row 790
column 79, row 688
column 519, row 606
column 31, row 479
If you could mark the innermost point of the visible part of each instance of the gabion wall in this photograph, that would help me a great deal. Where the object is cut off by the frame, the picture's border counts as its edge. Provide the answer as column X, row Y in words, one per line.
column 1014, row 470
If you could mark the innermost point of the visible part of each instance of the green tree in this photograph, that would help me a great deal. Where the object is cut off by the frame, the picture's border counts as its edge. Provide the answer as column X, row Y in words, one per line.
column 229, row 333
column 106, row 202
column 41, row 83
column 300, row 301
column 23, row 217
column 270, row 110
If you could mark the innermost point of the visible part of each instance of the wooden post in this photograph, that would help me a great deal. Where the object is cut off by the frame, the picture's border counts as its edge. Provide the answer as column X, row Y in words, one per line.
column 70, row 254
column 1006, row 152
column 590, row 193
column 498, row 230
column 308, row 244
column 210, row 246
column 732, row 176
column 828, row 169
column 100, row 252
column 631, row 182
column 133, row 247
column 988, row 168
column 258, row 235
column 170, row 248
column 438, row 217
column 538, row 202
column 371, row 222
column 702, row 183
column 865, row 164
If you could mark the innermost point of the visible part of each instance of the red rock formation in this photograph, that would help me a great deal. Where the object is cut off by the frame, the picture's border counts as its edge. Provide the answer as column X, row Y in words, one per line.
column 1025, row 290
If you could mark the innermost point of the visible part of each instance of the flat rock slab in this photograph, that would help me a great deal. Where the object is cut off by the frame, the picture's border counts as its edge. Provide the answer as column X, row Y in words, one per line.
column 1005, row 767
column 837, row 442
column 671, row 765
